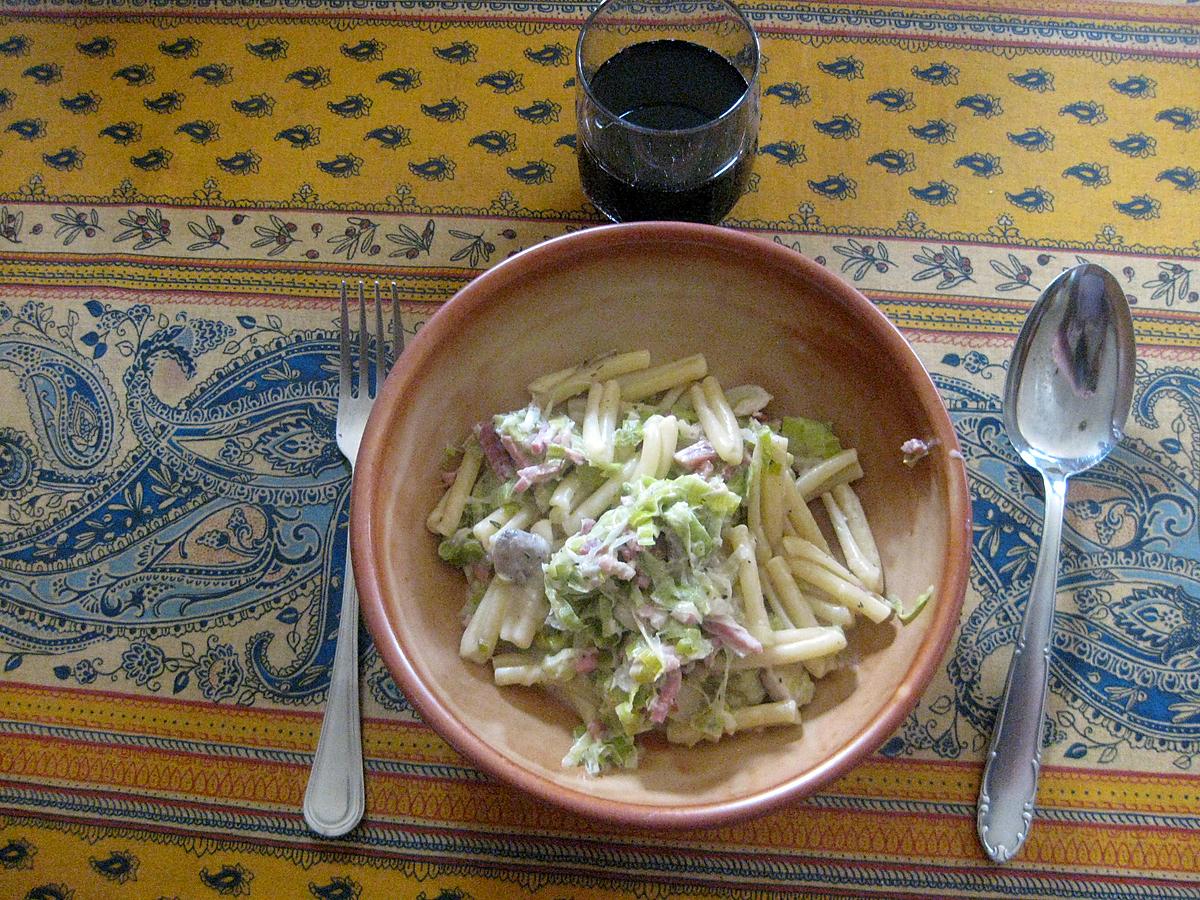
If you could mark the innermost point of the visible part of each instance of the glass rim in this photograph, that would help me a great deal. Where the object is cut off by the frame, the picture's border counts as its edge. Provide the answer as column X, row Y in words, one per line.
column 586, row 87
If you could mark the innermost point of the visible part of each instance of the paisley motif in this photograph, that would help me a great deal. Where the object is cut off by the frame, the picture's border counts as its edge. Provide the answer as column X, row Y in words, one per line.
column 937, row 73
column 228, row 501
column 1125, row 658
column 70, row 403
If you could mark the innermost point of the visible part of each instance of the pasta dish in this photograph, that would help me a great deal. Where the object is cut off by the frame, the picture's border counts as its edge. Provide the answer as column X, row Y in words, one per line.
column 639, row 540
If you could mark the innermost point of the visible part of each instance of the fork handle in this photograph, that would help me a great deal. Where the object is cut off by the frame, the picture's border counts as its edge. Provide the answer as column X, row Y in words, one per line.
column 334, row 800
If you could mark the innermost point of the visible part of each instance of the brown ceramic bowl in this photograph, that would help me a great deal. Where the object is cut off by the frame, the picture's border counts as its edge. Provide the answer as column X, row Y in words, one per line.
column 759, row 312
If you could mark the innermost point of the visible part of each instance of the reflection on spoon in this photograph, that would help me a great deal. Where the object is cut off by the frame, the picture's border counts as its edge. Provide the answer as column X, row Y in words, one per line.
column 1080, row 337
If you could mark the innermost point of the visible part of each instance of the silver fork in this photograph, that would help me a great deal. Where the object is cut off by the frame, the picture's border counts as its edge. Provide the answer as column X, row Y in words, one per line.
column 334, row 799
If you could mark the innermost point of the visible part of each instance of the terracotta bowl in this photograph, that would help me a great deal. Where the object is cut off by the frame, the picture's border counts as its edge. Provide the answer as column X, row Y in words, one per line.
column 759, row 312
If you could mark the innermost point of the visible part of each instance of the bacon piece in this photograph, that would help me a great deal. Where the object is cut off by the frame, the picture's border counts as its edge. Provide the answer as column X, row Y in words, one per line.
column 494, row 452
column 686, row 617
column 517, row 454
column 693, row 456
column 587, row 661
column 653, row 616
column 915, row 449
column 537, row 446
column 610, row 565
column 661, row 705
column 563, row 439
column 733, row 635
column 531, row 475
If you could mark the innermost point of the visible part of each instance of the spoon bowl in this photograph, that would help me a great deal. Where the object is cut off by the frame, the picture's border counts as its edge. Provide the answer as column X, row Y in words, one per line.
column 1070, row 382
column 1066, row 398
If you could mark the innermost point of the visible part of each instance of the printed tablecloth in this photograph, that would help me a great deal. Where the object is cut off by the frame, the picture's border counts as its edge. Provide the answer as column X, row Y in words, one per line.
column 183, row 185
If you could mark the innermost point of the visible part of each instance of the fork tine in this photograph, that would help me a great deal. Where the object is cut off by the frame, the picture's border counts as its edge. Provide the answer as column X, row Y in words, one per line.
column 381, row 363
column 364, row 360
column 397, row 326
column 344, row 353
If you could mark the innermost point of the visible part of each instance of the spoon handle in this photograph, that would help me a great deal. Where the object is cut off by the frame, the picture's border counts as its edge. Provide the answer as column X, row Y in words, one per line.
column 1010, row 775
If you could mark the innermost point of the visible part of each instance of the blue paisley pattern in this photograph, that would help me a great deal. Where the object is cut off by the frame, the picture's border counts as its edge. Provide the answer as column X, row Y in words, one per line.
column 164, row 517
column 1125, row 665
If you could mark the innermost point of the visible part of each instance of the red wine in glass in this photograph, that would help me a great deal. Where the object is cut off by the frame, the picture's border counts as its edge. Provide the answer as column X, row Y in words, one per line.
column 666, row 100
column 665, row 85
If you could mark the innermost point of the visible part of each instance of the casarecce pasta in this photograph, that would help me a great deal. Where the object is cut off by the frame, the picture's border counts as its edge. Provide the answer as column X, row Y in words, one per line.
column 638, row 540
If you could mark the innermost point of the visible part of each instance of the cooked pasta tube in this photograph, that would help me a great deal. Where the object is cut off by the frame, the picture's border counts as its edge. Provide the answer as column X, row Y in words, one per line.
column 525, row 614
column 659, row 436
column 558, row 386
column 500, row 660
column 683, row 733
column 772, row 598
column 841, row 591
column 480, row 636
column 772, row 490
column 487, row 527
column 763, row 714
column 790, row 597
column 717, row 419
column 526, row 674
column 829, row 641
column 748, row 582
column 762, row 547
column 819, row 668
column 456, row 497
column 798, row 548
column 651, row 448
column 525, row 627
column 530, row 669
column 566, row 496
column 832, row 613
column 792, row 635
column 435, row 515
column 747, row 399
column 864, row 572
column 800, row 516
column 544, row 529
column 668, row 439
column 600, row 421
column 599, row 500
column 648, row 382
column 854, row 534
column 822, row 477
column 667, row 403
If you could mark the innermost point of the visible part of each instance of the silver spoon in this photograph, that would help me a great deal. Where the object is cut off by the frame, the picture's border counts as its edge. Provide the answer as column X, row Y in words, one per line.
column 1066, row 398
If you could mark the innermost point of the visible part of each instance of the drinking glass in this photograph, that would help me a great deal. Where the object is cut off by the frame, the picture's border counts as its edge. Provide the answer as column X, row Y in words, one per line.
column 667, row 104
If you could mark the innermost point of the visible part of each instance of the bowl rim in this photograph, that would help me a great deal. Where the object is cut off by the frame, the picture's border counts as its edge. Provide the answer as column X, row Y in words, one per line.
column 368, row 472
